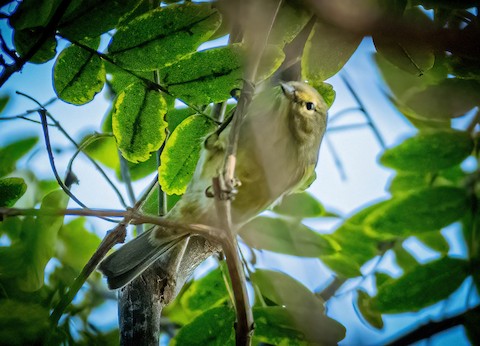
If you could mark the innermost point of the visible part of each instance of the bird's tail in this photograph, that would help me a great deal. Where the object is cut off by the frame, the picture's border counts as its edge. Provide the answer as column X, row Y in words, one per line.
column 134, row 257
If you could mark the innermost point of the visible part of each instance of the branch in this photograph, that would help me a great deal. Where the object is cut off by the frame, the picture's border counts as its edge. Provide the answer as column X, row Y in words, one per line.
column 47, row 32
column 224, row 184
column 432, row 328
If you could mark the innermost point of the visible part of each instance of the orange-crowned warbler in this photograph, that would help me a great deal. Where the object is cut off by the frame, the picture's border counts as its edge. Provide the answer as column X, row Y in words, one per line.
column 277, row 153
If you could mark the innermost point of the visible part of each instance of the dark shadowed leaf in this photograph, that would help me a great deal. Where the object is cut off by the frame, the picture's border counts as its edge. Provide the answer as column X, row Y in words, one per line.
column 138, row 123
column 404, row 259
column 286, row 236
column 163, row 36
column 11, row 189
column 300, row 205
column 11, row 153
column 25, row 39
column 429, row 151
column 421, row 211
column 320, row 61
column 181, row 153
column 450, row 98
column 213, row 327
column 78, row 74
column 372, row 316
column 32, row 14
column 406, row 54
column 23, row 323
column 422, row 286
column 93, row 18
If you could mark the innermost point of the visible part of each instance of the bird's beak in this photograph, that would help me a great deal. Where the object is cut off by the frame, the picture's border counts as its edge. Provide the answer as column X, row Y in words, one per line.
column 288, row 90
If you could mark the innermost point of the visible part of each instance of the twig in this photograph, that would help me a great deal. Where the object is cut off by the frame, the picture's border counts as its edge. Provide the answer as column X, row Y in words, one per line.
column 47, row 32
column 127, row 179
column 223, row 186
column 430, row 329
column 81, row 148
column 336, row 158
column 474, row 122
column 362, row 108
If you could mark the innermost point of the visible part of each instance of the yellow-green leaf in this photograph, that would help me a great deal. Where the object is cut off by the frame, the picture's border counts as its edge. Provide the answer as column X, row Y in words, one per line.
column 138, row 122
column 327, row 50
column 78, row 75
column 163, row 36
column 181, row 153
column 11, row 189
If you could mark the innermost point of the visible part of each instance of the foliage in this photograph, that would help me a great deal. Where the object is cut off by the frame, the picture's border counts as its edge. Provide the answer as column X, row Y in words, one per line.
column 151, row 61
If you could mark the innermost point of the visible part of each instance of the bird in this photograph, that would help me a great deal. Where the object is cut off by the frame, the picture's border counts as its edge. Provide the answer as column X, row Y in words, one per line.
column 278, row 149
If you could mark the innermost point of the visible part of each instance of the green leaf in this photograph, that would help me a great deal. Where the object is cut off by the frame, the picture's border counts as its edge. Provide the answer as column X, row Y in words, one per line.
column 471, row 323
column 175, row 116
column 300, row 205
column 11, row 189
column 327, row 50
column 327, row 92
column 356, row 246
column 450, row 98
column 305, row 308
column 422, row 286
column 406, row 54
column 23, row 323
column 103, row 149
column 406, row 182
column 78, row 75
column 11, row 153
column 25, row 39
column 39, row 242
column 76, row 244
column 435, row 241
column 289, row 21
column 272, row 59
column 163, row 36
column 206, row 76
column 429, row 151
column 93, row 18
column 286, row 236
column 205, row 293
column 424, row 210
column 32, row 14
column 275, row 325
column 213, row 327
column 138, row 123
column 370, row 314
column 3, row 102
column 119, row 79
column 283, row 290
column 181, row 153
column 405, row 260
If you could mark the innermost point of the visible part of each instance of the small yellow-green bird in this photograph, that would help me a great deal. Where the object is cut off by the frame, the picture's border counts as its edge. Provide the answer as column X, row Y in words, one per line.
column 277, row 153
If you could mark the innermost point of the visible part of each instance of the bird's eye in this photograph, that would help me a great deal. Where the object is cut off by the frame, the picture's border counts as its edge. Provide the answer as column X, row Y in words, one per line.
column 309, row 106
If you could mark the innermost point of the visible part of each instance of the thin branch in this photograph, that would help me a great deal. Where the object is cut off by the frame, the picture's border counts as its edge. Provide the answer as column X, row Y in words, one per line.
column 81, row 148
column 432, row 328
column 336, row 158
column 363, row 109
column 47, row 32
column 126, row 177
column 9, row 212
